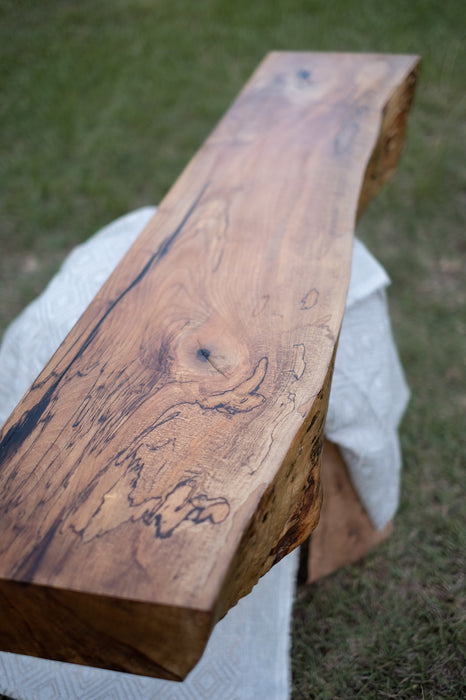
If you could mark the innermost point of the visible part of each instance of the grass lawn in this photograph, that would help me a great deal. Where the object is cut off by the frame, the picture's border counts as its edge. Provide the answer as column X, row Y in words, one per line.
column 102, row 105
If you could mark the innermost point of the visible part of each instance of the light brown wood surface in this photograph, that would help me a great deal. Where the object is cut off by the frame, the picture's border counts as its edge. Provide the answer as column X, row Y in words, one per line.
column 344, row 533
column 169, row 453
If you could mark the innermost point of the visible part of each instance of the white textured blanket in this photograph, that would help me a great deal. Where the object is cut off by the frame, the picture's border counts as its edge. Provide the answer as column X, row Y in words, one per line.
column 248, row 654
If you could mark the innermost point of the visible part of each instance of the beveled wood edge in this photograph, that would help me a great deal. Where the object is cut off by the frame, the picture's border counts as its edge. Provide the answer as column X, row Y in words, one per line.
column 297, row 481
column 389, row 145
column 381, row 166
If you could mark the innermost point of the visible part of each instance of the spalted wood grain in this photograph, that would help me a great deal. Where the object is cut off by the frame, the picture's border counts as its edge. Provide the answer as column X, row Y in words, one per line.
column 344, row 533
column 169, row 453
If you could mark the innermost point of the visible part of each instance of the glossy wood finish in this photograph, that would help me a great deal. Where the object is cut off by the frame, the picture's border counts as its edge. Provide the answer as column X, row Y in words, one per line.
column 169, row 453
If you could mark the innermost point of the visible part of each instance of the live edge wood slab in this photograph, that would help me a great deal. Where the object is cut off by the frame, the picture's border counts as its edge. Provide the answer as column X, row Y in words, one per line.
column 169, row 453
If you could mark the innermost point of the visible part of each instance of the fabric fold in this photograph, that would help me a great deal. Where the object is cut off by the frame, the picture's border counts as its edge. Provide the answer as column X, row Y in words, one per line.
column 369, row 393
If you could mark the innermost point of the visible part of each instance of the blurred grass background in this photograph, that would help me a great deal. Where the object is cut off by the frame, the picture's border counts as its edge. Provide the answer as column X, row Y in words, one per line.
column 102, row 105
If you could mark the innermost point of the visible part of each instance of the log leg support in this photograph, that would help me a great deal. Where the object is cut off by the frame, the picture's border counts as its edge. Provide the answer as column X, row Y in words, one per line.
column 344, row 533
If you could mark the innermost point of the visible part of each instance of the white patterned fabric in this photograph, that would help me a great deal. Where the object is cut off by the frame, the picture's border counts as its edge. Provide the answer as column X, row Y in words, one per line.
column 248, row 653
column 369, row 393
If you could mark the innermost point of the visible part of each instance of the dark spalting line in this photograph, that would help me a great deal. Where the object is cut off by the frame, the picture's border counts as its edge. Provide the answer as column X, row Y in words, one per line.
column 19, row 432
column 191, row 509
column 223, row 402
column 310, row 299
column 26, row 424
column 31, row 562
column 299, row 347
column 230, row 398
column 214, row 402
column 181, row 504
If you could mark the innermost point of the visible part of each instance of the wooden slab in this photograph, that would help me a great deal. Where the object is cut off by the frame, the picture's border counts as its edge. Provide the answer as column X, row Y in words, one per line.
column 344, row 533
column 169, row 453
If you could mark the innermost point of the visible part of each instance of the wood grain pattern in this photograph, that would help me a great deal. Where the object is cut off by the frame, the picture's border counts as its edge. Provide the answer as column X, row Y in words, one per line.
column 344, row 533
column 169, row 452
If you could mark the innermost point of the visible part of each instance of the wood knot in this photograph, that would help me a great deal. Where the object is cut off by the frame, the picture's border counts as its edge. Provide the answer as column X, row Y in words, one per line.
column 203, row 354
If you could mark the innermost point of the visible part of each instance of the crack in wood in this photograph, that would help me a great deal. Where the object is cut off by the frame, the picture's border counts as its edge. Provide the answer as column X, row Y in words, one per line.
column 205, row 354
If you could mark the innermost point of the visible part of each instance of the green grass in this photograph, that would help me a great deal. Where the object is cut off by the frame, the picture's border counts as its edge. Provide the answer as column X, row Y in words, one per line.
column 102, row 105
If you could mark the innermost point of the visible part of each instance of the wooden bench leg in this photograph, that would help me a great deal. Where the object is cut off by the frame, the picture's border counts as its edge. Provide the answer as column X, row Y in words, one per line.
column 344, row 533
